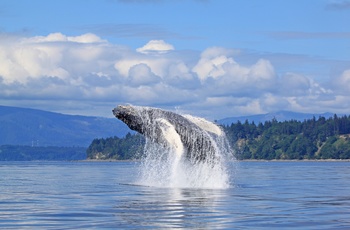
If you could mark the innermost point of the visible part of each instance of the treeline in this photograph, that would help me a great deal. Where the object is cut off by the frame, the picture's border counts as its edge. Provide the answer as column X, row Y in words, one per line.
column 35, row 153
column 129, row 147
column 309, row 139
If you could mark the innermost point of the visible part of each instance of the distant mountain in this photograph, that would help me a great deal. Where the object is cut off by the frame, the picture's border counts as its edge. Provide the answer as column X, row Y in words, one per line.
column 279, row 116
column 22, row 126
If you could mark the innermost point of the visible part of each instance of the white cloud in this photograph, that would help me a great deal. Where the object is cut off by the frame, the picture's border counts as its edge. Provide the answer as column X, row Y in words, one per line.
column 158, row 65
column 54, row 55
column 212, row 63
column 91, row 72
column 217, row 69
column 213, row 67
column 342, row 83
column 262, row 70
column 292, row 84
column 141, row 74
column 155, row 46
column 58, row 37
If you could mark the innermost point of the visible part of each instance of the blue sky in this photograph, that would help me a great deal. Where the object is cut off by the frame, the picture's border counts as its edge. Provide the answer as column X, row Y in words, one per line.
column 208, row 58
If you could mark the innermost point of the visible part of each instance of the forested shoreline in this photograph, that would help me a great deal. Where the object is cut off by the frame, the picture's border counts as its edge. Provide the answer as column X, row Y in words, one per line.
column 289, row 140
column 310, row 139
column 126, row 148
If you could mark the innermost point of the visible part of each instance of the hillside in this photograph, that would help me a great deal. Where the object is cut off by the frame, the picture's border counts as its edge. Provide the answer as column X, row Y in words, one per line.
column 279, row 116
column 22, row 126
column 29, row 153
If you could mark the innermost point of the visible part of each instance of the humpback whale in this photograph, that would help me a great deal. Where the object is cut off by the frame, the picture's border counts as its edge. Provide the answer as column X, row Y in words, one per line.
column 192, row 137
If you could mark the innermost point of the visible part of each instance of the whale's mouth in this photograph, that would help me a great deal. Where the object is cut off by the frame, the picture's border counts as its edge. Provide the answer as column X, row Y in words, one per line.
column 122, row 110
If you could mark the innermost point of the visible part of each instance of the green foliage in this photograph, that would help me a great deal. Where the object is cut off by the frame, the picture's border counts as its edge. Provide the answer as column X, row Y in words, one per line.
column 336, row 147
column 311, row 139
column 129, row 147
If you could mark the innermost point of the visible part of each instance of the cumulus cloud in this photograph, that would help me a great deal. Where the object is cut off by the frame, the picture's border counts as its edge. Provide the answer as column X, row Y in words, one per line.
column 342, row 83
column 230, row 75
column 141, row 74
column 158, row 64
column 89, row 72
column 58, row 37
column 212, row 62
column 155, row 46
column 212, row 67
column 54, row 55
column 292, row 84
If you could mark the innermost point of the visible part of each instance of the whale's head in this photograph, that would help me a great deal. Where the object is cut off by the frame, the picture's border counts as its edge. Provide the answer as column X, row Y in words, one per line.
column 130, row 116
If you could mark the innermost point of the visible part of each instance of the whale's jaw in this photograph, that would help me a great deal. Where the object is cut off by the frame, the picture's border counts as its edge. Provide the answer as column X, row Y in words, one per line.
column 130, row 116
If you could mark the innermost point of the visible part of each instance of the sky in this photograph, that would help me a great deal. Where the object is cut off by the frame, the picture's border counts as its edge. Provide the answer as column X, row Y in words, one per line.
column 208, row 58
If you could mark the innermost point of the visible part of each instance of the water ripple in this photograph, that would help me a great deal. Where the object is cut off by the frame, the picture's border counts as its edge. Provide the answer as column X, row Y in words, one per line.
column 82, row 195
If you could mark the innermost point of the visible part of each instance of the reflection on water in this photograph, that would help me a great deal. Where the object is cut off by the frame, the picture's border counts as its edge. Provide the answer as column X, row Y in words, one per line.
column 262, row 195
column 175, row 208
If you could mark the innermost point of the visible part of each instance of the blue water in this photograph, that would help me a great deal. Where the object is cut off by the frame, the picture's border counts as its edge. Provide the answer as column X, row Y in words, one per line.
column 102, row 195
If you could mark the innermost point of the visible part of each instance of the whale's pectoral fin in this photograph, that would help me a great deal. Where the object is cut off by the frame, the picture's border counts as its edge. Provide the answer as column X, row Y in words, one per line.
column 169, row 135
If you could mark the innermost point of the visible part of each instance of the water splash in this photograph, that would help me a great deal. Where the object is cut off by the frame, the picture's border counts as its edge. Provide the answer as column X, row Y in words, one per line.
column 165, row 162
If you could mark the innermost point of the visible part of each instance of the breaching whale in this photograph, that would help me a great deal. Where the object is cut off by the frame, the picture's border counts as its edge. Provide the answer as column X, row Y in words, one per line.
column 192, row 137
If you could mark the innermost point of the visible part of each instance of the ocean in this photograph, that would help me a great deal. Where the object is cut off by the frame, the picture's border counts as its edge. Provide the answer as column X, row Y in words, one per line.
column 106, row 195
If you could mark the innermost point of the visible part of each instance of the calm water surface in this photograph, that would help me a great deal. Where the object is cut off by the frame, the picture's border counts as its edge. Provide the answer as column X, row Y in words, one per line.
column 102, row 195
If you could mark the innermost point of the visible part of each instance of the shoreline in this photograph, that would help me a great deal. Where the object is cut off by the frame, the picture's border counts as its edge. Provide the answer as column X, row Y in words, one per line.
column 108, row 160
column 304, row 160
column 245, row 160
